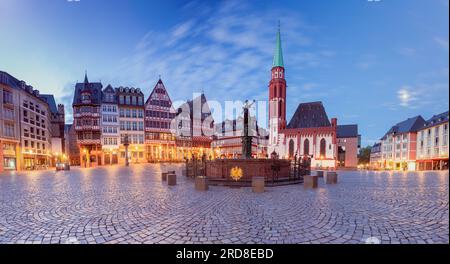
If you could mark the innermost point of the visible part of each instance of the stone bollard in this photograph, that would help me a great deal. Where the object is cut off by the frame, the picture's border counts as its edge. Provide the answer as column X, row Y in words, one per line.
column 164, row 176
column 201, row 183
column 331, row 177
column 171, row 179
column 258, row 184
column 320, row 173
column 310, row 182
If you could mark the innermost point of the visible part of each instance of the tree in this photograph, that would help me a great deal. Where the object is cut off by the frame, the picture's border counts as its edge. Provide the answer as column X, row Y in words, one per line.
column 364, row 155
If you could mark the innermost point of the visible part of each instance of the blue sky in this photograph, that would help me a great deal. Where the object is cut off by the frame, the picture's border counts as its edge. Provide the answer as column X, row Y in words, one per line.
column 371, row 63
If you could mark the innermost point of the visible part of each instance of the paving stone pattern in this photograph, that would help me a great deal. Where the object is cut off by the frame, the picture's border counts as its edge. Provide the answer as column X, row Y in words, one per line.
column 133, row 205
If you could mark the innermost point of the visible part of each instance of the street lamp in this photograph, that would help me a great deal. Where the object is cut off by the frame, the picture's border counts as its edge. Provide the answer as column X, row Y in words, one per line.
column 126, row 143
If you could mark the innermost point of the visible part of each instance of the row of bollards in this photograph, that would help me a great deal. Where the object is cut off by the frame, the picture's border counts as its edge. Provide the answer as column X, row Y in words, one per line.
column 311, row 181
column 170, row 177
column 258, row 183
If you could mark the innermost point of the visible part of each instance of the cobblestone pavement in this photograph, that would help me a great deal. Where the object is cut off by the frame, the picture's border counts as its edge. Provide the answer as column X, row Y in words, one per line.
column 132, row 205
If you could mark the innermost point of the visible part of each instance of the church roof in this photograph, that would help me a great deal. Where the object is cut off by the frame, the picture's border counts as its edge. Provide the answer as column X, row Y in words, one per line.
column 309, row 115
column 278, row 57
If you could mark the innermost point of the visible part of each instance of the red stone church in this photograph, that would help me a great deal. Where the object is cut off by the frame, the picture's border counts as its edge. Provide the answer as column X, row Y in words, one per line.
column 309, row 132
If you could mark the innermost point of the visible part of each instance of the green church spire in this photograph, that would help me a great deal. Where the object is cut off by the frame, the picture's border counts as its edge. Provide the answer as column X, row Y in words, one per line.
column 278, row 57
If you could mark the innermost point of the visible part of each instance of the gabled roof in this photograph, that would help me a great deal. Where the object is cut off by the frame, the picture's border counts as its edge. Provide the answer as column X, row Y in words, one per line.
column 347, row 131
column 50, row 99
column 309, row 115
column 204, row 106
column 436, row 120
column 95, row 88
column 409, row 125
column 109, row 90
column 159, row 85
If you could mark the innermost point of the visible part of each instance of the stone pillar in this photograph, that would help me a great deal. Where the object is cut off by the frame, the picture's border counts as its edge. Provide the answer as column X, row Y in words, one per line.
column 331, row 177
column 171, row 179
column 201, row 183
column 310, row 182
column 258, row 184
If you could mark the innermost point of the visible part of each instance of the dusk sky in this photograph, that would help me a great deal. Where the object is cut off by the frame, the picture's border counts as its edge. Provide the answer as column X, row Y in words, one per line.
column 371, row 63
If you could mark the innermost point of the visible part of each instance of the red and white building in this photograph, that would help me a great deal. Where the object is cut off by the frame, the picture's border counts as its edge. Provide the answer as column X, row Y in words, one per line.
column 86, row 108
column 309, row 132
column 399, row 145
column 159, row 114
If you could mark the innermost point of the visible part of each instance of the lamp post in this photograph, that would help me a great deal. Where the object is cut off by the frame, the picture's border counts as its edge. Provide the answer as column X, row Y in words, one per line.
column 126, row 143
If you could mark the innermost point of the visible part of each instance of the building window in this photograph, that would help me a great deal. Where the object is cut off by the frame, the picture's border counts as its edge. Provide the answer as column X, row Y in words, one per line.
column 444, row 141
column 7, row 97
column 291, row 148
column 9, row 130
column 306, row 147
column 323, row 146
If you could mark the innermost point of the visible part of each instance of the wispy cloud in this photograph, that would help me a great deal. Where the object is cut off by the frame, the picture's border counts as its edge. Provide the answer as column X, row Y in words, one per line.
column 226, row 51
column 443, row 43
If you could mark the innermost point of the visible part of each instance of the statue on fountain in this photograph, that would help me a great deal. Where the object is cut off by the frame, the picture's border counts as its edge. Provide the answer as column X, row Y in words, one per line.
column 246, row 139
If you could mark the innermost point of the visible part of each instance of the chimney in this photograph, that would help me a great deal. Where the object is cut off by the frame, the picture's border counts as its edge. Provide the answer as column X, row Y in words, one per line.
column 334, row 122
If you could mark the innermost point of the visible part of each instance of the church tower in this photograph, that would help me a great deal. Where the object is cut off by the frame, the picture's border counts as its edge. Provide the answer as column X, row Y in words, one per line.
column 277, row 95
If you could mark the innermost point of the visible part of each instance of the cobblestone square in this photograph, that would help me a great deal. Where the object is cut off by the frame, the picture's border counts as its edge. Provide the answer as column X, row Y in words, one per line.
column 133, row 205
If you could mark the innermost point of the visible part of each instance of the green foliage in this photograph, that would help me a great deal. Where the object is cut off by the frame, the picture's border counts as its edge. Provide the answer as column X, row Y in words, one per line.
column 364, row 155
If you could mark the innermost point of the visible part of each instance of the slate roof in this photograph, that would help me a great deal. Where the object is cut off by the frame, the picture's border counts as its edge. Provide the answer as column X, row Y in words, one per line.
column 376, row 148
column 309, row 115
column 94, row 87
column 50, row 99
column 436, row 120
column 109, row 89
column 409, row 125
column 347, row 131
column 11, row 81
column 203, row 101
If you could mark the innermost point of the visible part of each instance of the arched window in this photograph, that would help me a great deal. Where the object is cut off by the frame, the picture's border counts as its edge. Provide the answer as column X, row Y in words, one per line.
column 306, row 147
column 291, row 148
column 323, row 147
column 279, row 109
